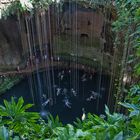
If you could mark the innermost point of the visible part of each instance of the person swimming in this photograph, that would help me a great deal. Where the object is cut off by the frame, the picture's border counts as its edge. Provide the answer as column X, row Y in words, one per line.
column 67, row 102
column 44, row 96
column 94, row 95
column 73, row 92
column 84, row 115
column 83, row 78
column 58, row 91
column 46, row 102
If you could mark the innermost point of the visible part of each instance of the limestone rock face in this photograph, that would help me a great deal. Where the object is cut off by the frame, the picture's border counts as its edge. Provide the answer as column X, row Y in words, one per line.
column 60, row 30
column 83, row 23
column 10, row 51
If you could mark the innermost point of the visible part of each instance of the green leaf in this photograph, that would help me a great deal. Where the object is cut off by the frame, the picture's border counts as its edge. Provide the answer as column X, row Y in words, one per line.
column 20, row 104
column 119, row 136
column 27, row 107
column 16, row 138
column 4, row 135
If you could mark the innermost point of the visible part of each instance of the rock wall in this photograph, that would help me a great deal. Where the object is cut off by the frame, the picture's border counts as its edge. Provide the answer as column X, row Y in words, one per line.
column 72, row 21
column 10, row 46
column 83, row 23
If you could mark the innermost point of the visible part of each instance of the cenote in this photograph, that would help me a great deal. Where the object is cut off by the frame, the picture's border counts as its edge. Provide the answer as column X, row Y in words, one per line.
column 48, row 39
column 71, row 91
column 69, row 70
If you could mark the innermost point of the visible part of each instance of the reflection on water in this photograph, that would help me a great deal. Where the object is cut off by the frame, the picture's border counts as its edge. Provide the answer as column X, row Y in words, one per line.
column 73, row 91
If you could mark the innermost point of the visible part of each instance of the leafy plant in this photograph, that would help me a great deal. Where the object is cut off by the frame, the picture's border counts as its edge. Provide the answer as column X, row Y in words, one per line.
column 29, row 125
column 70, row 133
column 8, row 82
column 53, row 122
column 5, row 134
column 24, row 6
column 14, row 116
column 15, row 7
column 126, row 28
column 103, row 128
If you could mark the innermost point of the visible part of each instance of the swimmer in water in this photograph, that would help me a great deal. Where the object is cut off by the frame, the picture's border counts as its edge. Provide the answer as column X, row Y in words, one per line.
column 67, row 102
column 58, row 91
column 73, row 92
column 46, row 102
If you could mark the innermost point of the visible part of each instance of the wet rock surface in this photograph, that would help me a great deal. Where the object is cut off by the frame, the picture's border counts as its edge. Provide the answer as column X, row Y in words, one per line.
column 10, row 51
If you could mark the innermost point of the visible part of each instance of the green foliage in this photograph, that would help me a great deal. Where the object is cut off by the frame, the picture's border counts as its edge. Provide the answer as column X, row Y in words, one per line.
column 134, row 95
column 14, row 116
column 15, row 7
column 133, row 106
column 127, row 31
column 4, row 134
column 8, row 82
column 53, row 122
column 42, row 3
column 25, row 6
column 127, row 23
column 70, row 133
column 29, row 125
column 102, row 128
